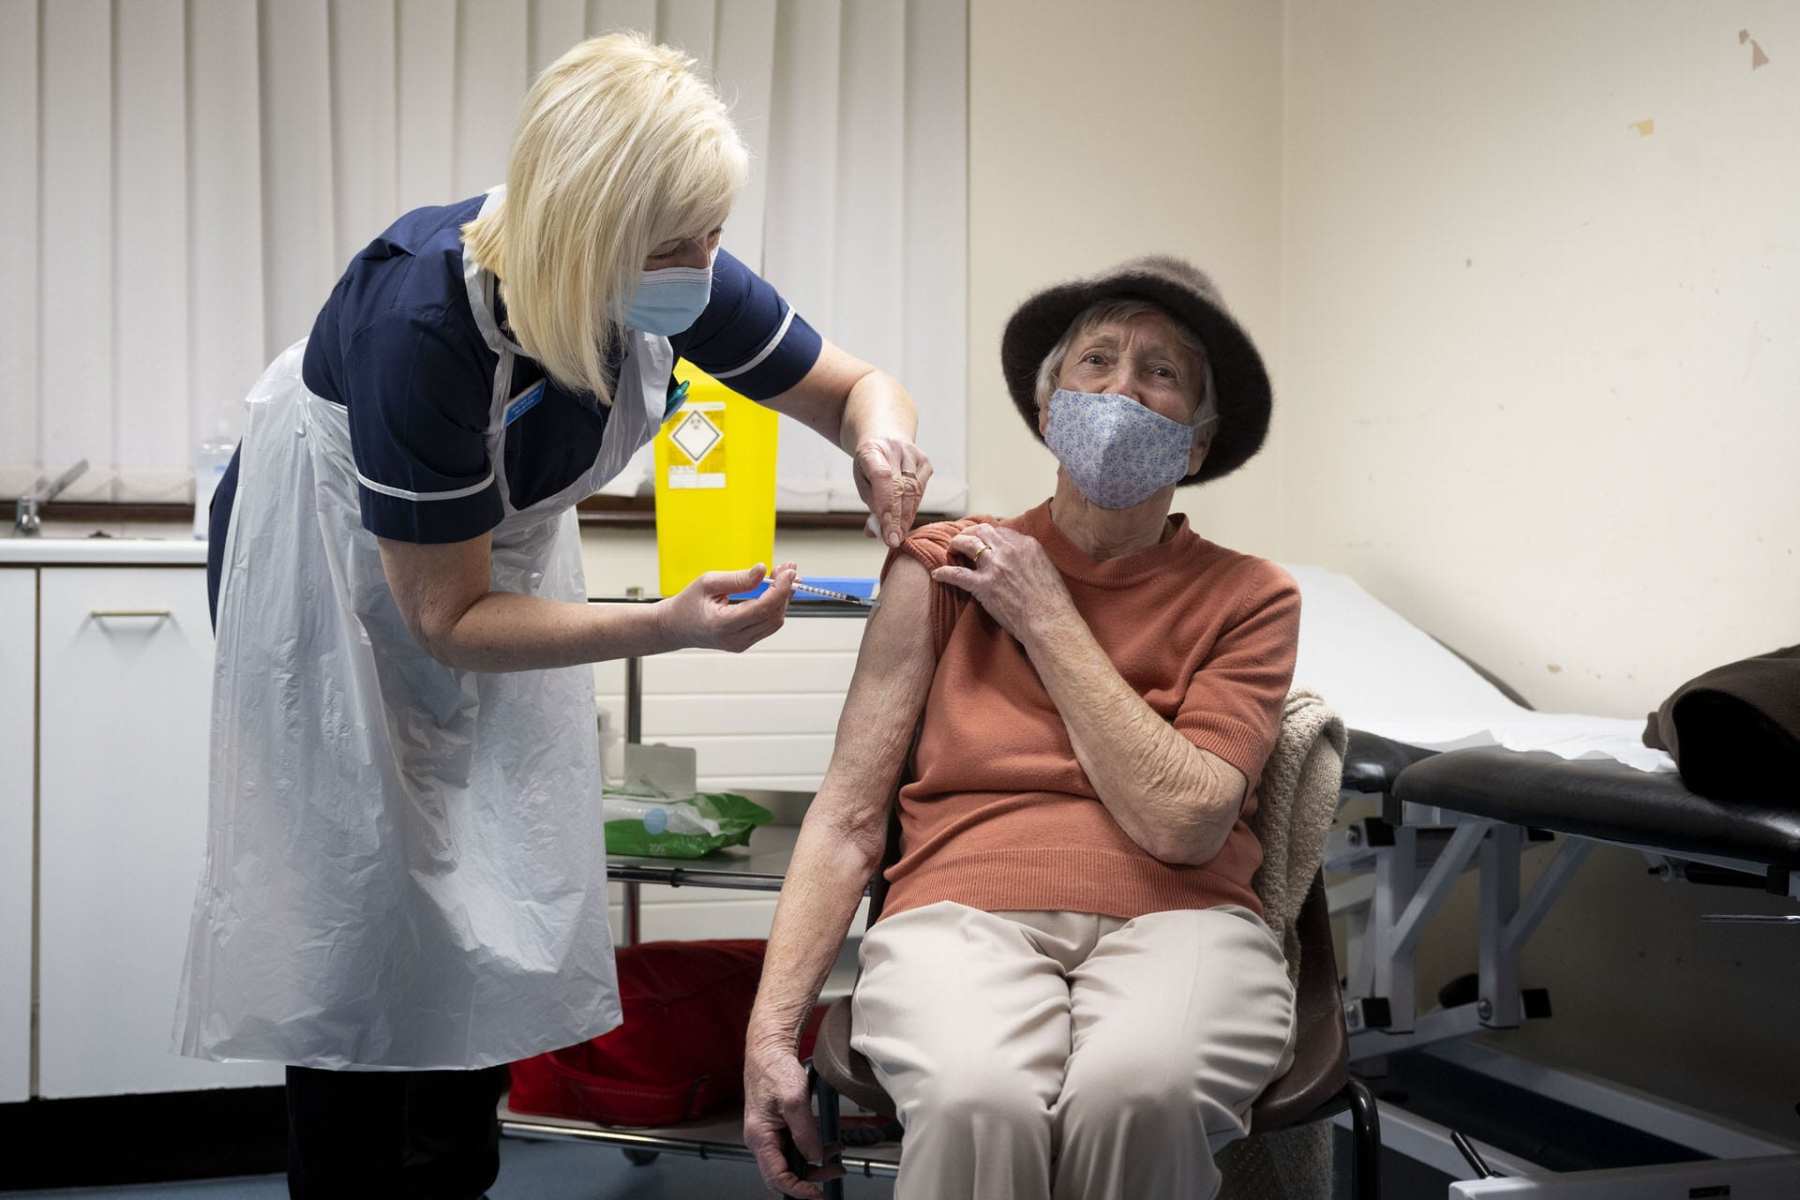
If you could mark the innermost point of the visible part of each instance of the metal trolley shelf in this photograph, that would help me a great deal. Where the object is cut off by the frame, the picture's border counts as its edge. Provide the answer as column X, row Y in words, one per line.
column 760, row 866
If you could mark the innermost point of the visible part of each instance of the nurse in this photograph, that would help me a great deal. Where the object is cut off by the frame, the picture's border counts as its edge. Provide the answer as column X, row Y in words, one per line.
column 404, row 885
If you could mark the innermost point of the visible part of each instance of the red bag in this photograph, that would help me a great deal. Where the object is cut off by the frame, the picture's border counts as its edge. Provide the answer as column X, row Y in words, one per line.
column 678, row 1056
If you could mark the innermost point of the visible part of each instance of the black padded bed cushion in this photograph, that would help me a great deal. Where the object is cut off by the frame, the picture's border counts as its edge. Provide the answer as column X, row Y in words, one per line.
column 1606, row 800
column 1372, row 763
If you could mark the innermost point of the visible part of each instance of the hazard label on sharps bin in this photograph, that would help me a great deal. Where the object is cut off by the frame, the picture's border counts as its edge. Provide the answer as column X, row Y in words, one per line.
column 698, row 436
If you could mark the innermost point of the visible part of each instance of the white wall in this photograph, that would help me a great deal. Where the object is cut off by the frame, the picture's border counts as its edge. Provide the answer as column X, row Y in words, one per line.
column 1540, row 373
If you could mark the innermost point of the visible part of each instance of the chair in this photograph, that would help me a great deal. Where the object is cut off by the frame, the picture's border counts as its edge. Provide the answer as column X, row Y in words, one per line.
column 1317, row 1086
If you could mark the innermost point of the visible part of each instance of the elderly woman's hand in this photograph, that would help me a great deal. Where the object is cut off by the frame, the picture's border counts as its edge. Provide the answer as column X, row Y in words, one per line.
column 891, row 474
column 1012, row 576
column 778, row 1108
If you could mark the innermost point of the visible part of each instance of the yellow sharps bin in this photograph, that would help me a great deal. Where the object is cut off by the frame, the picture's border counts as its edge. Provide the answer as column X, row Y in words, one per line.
column 715, row 483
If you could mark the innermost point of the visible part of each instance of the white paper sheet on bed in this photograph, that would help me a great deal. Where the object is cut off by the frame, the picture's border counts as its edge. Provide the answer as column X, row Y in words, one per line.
column 1386, row 676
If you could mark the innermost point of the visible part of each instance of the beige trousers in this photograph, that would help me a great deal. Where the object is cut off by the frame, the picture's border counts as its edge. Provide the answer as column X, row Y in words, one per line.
column 1067, row 1055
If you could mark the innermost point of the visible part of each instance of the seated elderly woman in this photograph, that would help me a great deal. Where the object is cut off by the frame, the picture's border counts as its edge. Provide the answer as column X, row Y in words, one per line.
column 1071, row 991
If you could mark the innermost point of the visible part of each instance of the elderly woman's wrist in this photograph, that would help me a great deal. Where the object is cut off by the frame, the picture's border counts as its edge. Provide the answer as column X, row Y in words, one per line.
column 765, row 1042
column 771, row 1023
column 1047, row 622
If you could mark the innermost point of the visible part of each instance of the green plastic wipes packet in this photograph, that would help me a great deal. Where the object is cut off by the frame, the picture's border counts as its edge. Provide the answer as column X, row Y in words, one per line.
column 735, row 816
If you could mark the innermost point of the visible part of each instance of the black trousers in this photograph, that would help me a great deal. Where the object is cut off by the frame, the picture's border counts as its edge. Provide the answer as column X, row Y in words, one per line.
column 423, row 1135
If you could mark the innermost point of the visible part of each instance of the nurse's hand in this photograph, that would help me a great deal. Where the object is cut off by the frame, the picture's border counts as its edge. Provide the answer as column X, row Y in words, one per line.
column 702, row 615
column 891, row 474
column 777, row 1102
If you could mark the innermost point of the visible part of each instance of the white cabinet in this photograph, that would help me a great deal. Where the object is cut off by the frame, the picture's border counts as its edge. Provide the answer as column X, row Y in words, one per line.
column 18, row 675
column 125, row 670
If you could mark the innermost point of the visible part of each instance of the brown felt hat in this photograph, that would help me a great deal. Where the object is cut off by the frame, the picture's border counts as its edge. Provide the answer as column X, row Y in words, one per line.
column 1240, row 381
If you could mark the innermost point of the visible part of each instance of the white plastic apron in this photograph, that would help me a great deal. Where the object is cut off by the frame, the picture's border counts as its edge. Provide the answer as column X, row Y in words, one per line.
column 404, row 865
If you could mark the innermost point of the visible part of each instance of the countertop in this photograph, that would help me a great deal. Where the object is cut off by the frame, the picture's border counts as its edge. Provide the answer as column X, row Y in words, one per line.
column 71, row 544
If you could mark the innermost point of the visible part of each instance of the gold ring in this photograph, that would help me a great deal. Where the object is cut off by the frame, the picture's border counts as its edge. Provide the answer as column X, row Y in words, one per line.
column 984, row 549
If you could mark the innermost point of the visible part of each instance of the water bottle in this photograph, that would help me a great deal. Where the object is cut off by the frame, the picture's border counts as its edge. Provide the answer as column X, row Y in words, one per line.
column 210, row 460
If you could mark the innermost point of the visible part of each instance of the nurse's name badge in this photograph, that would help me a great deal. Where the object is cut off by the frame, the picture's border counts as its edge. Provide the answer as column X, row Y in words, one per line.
column 524, row 402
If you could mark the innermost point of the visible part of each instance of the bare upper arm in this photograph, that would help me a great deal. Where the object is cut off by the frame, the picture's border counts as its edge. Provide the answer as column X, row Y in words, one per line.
column 894, row 669
column 818, row 400
column 434, row 585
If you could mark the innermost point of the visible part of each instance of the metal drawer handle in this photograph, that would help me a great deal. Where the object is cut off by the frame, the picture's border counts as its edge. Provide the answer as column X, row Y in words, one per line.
column 121, row 614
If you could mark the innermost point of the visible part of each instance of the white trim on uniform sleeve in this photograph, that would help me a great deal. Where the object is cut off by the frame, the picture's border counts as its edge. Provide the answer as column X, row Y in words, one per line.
column 787, row 319
column 403, row 494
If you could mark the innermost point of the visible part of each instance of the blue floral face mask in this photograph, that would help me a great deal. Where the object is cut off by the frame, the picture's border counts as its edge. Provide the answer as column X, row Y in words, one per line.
column 670, row 300
column 1116, row 451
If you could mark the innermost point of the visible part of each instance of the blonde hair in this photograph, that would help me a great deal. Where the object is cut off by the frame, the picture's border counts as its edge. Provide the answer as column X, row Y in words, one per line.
column 621, row 147
column 1121, row 312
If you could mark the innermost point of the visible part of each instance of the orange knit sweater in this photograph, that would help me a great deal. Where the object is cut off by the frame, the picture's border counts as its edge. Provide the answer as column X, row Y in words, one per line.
column 999, row 814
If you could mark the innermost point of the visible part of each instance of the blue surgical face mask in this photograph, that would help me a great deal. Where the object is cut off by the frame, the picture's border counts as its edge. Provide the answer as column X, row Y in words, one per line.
column 1116, row 451
column 670, row 300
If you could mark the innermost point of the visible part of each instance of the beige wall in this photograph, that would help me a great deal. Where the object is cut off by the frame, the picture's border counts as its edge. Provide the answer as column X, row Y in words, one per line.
column 1541, row 374
column 1540, row 369
column 1100, row 132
